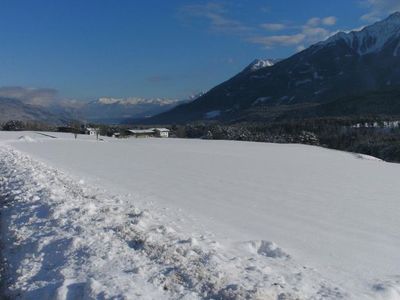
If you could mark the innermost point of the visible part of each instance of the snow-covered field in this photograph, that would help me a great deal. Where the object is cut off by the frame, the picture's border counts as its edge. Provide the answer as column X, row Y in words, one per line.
column 194, row 219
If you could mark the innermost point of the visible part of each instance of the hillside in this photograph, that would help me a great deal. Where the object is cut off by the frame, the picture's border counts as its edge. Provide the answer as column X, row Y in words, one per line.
column 13, row 109
column 381, row 103
column 345, row 65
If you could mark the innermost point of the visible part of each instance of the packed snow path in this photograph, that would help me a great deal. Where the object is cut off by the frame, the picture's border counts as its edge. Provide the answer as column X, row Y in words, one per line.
column 66, row 237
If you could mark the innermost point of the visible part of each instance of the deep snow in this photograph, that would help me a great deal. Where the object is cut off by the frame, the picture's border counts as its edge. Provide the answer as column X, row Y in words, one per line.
column 197, row 219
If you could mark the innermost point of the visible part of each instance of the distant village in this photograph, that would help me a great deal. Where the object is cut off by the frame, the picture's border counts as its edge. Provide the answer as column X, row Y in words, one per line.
column 137, row 133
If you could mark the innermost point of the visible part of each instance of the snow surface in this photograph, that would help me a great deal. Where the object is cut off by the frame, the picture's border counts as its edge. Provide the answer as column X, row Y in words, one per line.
column 194, row 219
column 262, row 63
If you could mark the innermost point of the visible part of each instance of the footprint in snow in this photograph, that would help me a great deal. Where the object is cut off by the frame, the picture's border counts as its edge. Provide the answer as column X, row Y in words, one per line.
column 265, row 248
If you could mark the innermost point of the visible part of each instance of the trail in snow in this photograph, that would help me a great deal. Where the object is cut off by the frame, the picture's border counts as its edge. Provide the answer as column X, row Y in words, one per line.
column 64, row 240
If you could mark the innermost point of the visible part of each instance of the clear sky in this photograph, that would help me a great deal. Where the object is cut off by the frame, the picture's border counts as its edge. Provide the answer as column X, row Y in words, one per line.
column 160, row 48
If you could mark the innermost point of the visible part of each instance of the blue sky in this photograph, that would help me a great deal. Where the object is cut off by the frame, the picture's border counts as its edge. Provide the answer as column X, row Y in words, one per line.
column 160, row 48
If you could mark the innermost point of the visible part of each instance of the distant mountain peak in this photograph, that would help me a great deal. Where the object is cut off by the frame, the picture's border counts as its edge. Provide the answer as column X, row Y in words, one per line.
column 337, row 68
column 258, row 64
column 135, row 101
column 371, row 38
column 117, row 110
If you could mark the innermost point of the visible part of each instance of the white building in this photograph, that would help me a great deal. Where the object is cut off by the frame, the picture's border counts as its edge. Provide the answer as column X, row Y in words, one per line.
column 151, row 132
column 92, row 131
column 162, row 132
column 142, row 132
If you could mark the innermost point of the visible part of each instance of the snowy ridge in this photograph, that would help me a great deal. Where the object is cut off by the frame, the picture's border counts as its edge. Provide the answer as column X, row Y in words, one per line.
column 136, row 101
column 372, row 38
column 65, row 240
column 262, row 63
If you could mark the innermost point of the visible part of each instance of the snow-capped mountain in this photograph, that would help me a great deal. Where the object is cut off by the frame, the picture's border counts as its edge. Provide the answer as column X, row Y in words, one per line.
column 116, row 110
column 343, row 66
column 136, row 101
column 371, row 39
column 258, row 64
column 102, row 110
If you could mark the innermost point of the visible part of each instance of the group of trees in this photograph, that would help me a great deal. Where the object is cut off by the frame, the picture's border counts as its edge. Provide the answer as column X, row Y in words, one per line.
column 245, row 132
column 336, row 133
column 74, row 127
column 16, row 125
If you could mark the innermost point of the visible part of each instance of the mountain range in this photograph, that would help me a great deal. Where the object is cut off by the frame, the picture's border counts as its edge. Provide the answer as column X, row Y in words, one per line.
column 105, row 110
column 336, row 73
column 119, row 110
column 14, row 109
column 353, row 73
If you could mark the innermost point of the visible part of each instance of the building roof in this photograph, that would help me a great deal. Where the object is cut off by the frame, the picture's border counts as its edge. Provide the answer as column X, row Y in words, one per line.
column 150, row 130
column 161, row 129
column 141, row 130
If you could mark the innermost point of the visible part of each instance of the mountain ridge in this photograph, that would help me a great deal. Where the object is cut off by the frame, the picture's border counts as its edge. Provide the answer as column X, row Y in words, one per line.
column 322, row 73
column 13, row 109
column 259, row 63
column 371, row 38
